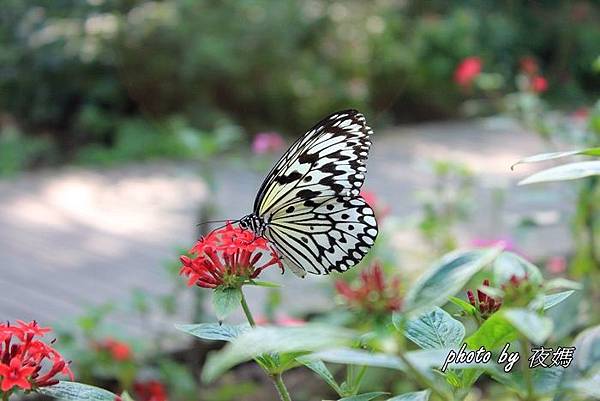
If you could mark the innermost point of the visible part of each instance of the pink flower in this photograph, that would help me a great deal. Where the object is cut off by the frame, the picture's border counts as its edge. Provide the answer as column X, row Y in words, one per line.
column 267, row 142
column 506, row 243
column 556, row 264
column 539, row 84
column 467, row 71
column 283, row 320
column 289, row 321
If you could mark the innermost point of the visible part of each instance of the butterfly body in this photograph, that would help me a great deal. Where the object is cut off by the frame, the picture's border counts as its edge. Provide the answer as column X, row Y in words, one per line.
column 310, row 207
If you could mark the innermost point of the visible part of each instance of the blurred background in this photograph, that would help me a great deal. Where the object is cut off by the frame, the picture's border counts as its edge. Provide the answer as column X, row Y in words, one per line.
column 124, row 123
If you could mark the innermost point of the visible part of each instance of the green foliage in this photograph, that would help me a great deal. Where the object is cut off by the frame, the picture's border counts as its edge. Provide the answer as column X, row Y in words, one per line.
column 446, row 278
column 364, row 397
column 71, row 391
column 18, row 152
column 225, row 301
column 415, row 396
column 82, row 70
column 435, row 329
column 287, row 342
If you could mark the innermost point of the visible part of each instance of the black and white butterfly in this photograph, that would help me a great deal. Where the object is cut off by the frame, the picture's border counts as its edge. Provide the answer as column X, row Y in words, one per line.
column 309, row 205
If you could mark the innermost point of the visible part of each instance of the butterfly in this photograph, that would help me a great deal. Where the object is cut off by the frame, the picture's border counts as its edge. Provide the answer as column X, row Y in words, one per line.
column 309, row 205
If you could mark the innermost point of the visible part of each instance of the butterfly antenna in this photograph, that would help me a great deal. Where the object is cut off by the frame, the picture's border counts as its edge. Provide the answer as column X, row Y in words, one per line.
column 215, row 221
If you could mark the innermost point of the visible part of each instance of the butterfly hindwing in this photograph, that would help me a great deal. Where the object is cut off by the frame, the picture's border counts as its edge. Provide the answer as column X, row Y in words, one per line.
column 329, row 160
column 324, row 235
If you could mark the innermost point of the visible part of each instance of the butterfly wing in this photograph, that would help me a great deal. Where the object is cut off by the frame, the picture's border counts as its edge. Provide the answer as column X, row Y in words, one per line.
column 329, row 160
column 317, row 219
column 333, row 235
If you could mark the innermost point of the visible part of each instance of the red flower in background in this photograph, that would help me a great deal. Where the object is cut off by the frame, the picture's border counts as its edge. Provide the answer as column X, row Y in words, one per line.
column 151, row 390
column 228, row 256
column 118, row 350
column 528, row 65
column 556, row 265
column 23, row 357
column 467, row 71
column 373, row 294
column 267, row 142
column 380, row 209
column 539, row 84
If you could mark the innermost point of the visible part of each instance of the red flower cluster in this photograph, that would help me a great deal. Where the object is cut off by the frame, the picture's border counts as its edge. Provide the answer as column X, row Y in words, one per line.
column 151, row 390
column 485, row 304
column 467, row 71
column 23, row 355
column 372, row 295
column 118, row 350
column 530, row 68
column 229, row 257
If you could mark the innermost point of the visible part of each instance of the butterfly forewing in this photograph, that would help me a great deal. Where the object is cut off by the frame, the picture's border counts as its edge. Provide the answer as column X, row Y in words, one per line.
column 332, row 234
column 329, row 160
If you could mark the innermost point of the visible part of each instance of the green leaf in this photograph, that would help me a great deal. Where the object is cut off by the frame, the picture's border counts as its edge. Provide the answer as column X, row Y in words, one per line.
column 534, row 327
column 446, row 278
column 508, row 264
column 262, row 340
column 435, row 329
column 73, row 391
column 225, row 301
column 364, row 397
column 125, row 396
column 571, row 171
column 414, row 396
column 494, row 333
column 213, row 331
column 350, row 356
column 268, row 284
column 557, row 155
column 423, row 360
column 562, row 283
column 321, row 370
column 583, row 375
column 464, row 305
column 554, row 299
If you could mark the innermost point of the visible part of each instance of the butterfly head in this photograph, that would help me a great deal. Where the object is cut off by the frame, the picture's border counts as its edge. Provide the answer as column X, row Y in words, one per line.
column 254, row 223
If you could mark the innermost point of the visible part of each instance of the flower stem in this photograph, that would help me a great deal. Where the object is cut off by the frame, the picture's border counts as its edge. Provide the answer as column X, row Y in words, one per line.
column 526, row 371
column 284, row 395
column 277, row 379
column 247, row 310
column 5, row 395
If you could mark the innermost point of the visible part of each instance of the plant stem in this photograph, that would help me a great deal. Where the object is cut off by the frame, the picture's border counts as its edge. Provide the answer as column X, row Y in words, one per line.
column 284, row 395
column 526, row 371
column 247, row 310
column 5, row 396
column 421, row 378
column 280, row 386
